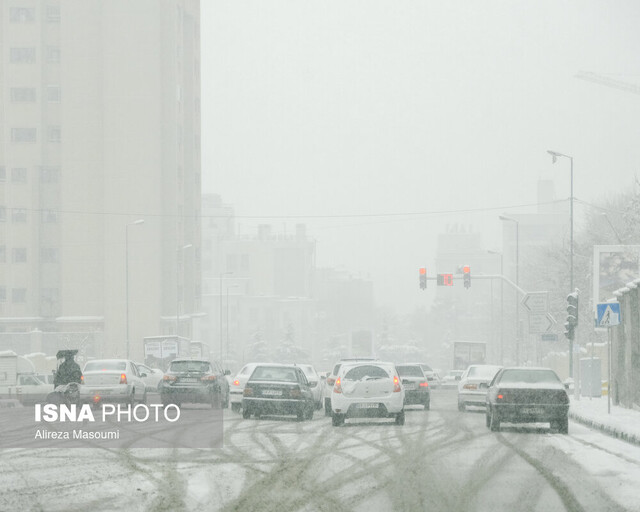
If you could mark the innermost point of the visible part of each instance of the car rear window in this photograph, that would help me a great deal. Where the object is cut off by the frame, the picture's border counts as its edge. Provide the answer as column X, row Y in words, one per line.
column 529, row 376
column 483, row 372
column 426, row 367
column 97, row 366
column 190, row 366
column 366, row 371
column 274, row 373
column 409, row 371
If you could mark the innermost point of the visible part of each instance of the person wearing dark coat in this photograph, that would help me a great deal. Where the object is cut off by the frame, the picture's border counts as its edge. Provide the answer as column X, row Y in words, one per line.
column 69, row 371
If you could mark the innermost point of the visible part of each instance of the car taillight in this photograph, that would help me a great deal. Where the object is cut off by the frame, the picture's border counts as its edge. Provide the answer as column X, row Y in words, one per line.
column 331, row 381
column 236, row 382
column 337, row 388
column 247, row 391
column 82, row 379
column 500, row 397
column 295, row 392
column 208, row 378
column 424, row 384
column 123, row 378
column 396, row 384
column 470, row 386
column 169, row 378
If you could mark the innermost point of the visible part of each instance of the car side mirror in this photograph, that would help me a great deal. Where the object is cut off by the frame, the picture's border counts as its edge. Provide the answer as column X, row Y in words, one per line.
column 566, row 386
column 483, row 385
column 143, row 375
column 227, row 372
column 323, row 377
column 313, row 384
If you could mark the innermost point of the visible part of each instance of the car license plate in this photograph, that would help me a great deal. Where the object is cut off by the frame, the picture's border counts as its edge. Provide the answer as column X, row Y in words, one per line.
column 532, row 410
column 367, row 406
column 410, row 386
column 188, row 379
column 272, row 392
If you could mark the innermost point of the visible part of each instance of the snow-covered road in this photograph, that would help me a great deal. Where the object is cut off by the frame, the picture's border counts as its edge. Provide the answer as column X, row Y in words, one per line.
column 440, row 460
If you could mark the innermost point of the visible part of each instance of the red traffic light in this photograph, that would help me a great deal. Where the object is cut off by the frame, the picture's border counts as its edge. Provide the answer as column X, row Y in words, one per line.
column 466, row 269
column 423, row 271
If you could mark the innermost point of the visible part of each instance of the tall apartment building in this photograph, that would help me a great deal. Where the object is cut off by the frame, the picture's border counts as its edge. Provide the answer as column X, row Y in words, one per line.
column 99, row 128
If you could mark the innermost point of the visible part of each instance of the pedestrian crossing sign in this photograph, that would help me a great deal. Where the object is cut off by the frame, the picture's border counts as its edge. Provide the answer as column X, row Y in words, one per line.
column 608, row 314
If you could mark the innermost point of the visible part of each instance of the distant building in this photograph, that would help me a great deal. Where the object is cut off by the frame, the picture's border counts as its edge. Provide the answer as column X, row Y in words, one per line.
column 100, row 127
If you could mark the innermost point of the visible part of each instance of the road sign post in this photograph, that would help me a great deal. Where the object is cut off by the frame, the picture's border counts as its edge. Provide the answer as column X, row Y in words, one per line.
column 608, row 316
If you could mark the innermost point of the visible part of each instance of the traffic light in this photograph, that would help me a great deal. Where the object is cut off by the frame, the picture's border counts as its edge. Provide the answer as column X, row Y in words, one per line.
column 466, row 275
column 572, row 316
column 423, row 278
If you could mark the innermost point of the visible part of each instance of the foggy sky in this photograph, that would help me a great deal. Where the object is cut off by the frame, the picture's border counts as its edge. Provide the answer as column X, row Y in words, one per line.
column 324, row 108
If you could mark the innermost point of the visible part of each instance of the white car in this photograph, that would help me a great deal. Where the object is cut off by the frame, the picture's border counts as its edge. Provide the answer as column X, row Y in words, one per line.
column 367, row 390
column 451, row 379
column 331, row 379
column 151, row 376
column 315, row 383
column 112, row 380
column 236, row 388
column 473, row 385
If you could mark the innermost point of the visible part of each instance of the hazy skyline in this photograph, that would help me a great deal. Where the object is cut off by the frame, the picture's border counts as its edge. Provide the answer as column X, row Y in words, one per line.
column 328, row 112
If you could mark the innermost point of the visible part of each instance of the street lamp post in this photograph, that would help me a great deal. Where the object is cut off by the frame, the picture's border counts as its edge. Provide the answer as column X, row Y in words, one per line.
column 555, row 155
column 126, row 266
column 227, row 322
column 517, row 223
column 179, row 253
column 501, row 304
column 222, row 274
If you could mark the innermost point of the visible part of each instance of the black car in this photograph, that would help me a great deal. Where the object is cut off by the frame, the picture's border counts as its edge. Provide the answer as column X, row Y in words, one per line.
column 278, row 389
column 195, row 381
column 415, row 384
column 527, row 395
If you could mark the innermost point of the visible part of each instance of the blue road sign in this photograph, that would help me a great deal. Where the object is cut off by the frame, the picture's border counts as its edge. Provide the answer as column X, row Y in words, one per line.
column 608, row 314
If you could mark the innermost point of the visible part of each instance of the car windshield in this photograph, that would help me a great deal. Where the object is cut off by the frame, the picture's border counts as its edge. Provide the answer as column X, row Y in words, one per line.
column 529, row 376
column 190, row 366
column 97, row 366
column 366, row 372
column 426, row 368
column 274, row 373
column 409, row 371
column 482, row 372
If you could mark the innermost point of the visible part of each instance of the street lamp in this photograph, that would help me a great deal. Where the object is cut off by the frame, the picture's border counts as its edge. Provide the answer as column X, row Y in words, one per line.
column 554, row 156
column 232, row 286
column 501, row 304
column 222, row 274
column 126, row 266
column 517, row 223
column 178, row 258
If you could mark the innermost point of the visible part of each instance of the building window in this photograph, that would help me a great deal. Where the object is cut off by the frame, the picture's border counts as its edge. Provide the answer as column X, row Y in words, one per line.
column 49, row 217
column 49, row 174
column 19, row 255
column 19, row 295
column 54, row 134
column 53, row 54
column 3, row 253
column 23, row 134
column 49, row 254
column 22, row 55
column 19, row 215
column 49, row 295
column 22, row 15
column 19, row 175
column 53, row 93
column 23, row 94
column 53, row 13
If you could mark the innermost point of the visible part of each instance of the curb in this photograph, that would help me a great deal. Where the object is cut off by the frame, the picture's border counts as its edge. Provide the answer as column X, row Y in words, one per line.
column 611, row 431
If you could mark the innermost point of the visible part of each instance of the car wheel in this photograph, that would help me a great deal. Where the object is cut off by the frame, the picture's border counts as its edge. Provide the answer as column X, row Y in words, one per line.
column 563, row 425
column 310, row 412
column 494, row 422
column 461, row 406
column 144, row 397
column 235, row 407
column 327, row 407
column 487, row 418
column 246, row 413
column 301, row 414
column 337, row 419
column 427, row 405
column 400, row 418
column 225, row 405
column 132, row 398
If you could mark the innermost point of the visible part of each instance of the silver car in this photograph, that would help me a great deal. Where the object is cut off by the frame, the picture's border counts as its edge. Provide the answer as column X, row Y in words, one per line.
column 473, row 385
column 112, row 380
column 316, row 385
